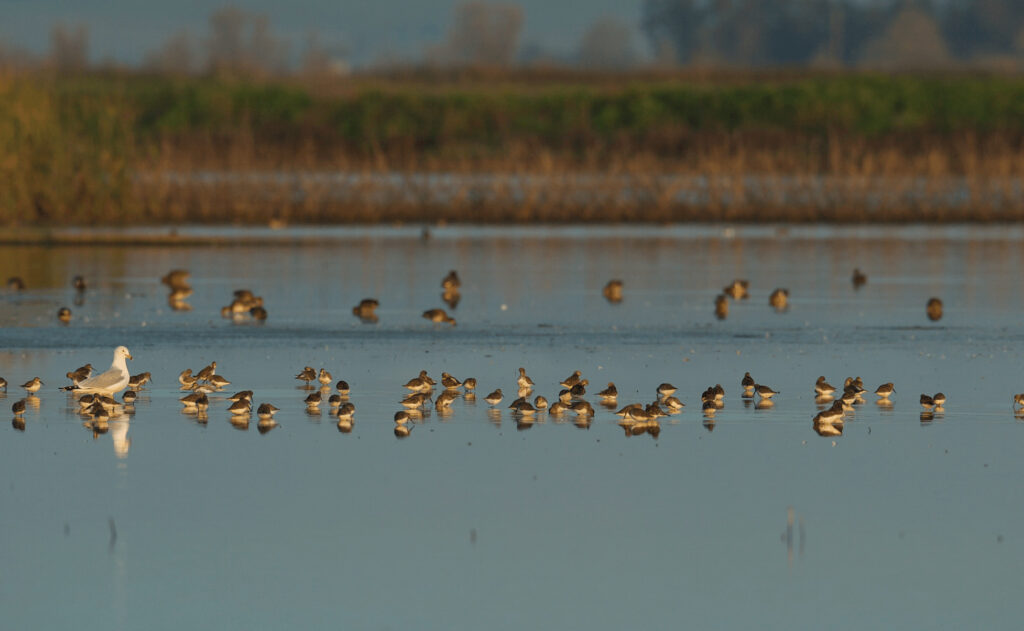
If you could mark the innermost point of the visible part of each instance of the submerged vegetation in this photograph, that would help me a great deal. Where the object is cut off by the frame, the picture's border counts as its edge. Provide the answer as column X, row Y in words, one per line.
column 121, row 148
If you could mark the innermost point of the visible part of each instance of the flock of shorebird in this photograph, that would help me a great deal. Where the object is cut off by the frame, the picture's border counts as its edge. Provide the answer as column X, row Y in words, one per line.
column 94, row 393
column 96, row 403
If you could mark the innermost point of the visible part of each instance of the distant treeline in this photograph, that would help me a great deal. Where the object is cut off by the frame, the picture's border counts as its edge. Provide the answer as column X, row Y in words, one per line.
column 882, row 33
column 878, row 34
column 75, row 148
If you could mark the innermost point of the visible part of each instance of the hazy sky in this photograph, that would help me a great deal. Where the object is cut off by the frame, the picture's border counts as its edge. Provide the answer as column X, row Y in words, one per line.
column 126, row 29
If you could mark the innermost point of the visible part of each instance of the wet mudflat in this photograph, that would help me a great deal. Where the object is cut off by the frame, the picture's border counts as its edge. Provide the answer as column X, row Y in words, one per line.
column 477, row 520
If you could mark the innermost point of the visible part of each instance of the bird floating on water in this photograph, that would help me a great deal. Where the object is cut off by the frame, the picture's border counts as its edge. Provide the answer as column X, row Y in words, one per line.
column 438, row 316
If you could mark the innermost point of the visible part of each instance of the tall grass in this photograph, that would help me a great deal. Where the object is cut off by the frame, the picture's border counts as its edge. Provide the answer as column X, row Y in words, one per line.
column 100, row 149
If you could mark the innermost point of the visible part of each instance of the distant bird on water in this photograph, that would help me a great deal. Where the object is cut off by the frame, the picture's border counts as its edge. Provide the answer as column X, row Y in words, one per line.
column 779, row 299
column 885, row 390
column 451, row 281
column 613, row 291
column 438, row 316
column 307, row 375
column 859, row 278
column 934, row 309
column 64, row 315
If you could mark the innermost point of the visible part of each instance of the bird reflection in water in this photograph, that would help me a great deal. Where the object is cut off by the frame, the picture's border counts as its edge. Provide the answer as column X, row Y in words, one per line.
column 18, row 423
column 451, row 298
column 787, row 537
column 828, row 429
column 494, row 416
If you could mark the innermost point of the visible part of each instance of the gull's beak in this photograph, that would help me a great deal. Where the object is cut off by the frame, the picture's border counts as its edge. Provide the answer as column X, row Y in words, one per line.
column 130, row 356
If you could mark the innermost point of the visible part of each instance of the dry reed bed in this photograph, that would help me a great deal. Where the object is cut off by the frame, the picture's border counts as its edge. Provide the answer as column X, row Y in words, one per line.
column 134, row 150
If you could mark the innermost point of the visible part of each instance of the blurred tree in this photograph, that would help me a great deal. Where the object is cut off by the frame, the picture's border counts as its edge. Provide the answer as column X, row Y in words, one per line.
column 175, row 55
column 911, row 40
column 242, row 43
column 482, row 34
column 607, row 44
column 69, row 48
column 675, row 25
column 983, row 27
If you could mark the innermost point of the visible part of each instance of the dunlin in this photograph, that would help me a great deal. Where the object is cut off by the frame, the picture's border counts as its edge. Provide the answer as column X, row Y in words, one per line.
column 495, row 397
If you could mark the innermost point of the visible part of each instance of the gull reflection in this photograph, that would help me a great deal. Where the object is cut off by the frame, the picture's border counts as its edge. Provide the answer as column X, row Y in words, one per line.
column 119, row 434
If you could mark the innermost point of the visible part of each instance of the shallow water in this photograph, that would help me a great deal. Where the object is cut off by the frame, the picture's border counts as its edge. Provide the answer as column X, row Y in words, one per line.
column 474, row 522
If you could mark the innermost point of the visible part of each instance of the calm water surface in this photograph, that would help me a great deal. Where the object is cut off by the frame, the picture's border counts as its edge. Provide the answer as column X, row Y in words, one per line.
column 473, row 522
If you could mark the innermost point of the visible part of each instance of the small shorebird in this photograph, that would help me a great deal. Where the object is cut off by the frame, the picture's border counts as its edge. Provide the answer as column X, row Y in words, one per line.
column 579, row 389
column 824, row 388
column 176, row 278
column 451, row 281
column 524, row 381
column 934, row 309
column 64, row 315
column 266, row 411
column 721, row 307
column 402, row 417
column 764, row 391
column 19, row 407
column 129, row 397
column 207, row 372
column 885, row 390
column 557, row 408
column 582, row 408
column 346, row 412
column 335, row 400
column 418, row 384
column 218, row 381
column 495, row 397
column 748, row 382
column 571, row 380
column 324, row 377
column 449, row 382
column 242, row 394
column 469, row 384
column 627, row 410
column 565, row 396
column 927, row 402
column 719, row 392
column 240, row 408
column 939, row 399
column 416, row 400
column 666, row 389
column 613, row 291
column 189, row 400
column 779, row 299
column 438, row 316
column 3, row 385
column 859, row 278
column 366, row 310
column 80, row 374
column 343, row 388
column 258, row 313
column 33, row 385
column 830, row 416
column 137, row 381
column 307, row 375
column 444, row 400
column 540, row 402
column 611, row 392
column 737, row 289
column 314, row 400
column 186, row 378
column 674, row 405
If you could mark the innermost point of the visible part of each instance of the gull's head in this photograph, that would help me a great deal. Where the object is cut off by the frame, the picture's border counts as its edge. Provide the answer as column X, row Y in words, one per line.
column 122, row 351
